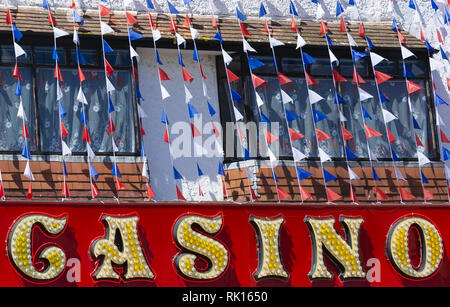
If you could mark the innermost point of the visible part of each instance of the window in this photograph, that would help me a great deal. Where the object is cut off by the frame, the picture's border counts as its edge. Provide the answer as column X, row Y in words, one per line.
column 41, row 107
column 395, row 90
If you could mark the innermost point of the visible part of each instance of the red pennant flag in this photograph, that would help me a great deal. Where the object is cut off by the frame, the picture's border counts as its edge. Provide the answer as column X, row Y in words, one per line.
column 166, row 136
column 94, row 191
column 150, row 193
column 295, row 135
column 241, row 135
column 179, row 194
column 427, row 194
column 81, row 75
column 9, row 18
column 142, row 130
column 353, row 195
column 418, row 142
column 257, row 81
column 135, row 74
column 439, row 36
column 310, row 80
column 25, row 133
column 305, row 194
column 283, row 79
column 413, row 87
column 342, row 27
column 201, row 71
column 401, row 37
column 200, row 192
column 422, row 35
column 57, row 74
column 332, row 195
column 270, row 138
column 405, row 194
column 266, row 27
column 150, row 21
column 103, row 10
column 357, row 78
column 322, row 136
column 224, row 188
column 231, row 76
column 361, row 31
column 119, row 185
column 214, row 23
column 65, row 190
column 162, row 75
column 381, row 77
column 173, row 27
column 72, row 4
column 391, row 137
column 215, row 130
column 187, row 21
column 86, row 136
column 111, row 127
column 338, row 77
column 195, row 131
column 2, row 191
column 323, row 28
column 30, row 191
column 16, row 73
column 64, row 131
column 293, row 25
column 448, row 84
column 282, row 194
column 381, row 195
column 244, row 30
column 186, row 75
column 346, row 134
column 371, row 132
column 130, row 19
column 51, row 18
column 108, row 68
column 444, row 138
column 252, row 194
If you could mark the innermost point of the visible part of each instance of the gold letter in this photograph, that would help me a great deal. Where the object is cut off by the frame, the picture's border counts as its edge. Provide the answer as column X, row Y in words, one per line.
column 270, row 264
column 432, row 247
column 215, row 253
column 20, row 252
column 325, row 238
column 129, row 255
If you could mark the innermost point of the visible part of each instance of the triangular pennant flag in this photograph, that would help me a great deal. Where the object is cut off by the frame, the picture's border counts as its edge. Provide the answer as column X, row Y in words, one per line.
column 166, row 136
column 295, row 135
column 17, row 34
column 26, row 152
column 318, row 116
column 418, row 141
column 416, row 124
column 388, row 116
column 365, row 113
column 65, row 149
column 406, row 53
column 108, row 68
column 332, row 196
column 94, row 191
column 86, row 136
column 235, row 96
column 275, row 43
column 25, row 133
column 297, row 155
column 300, row 41
column 427, row 194
column 302, row 174
column 103, row 10
column 131, row 19
column 323, row 28
column 351, row 40
column 244, row 30
column 187, row 94
column 119, row 185
column 156, row 35
column 257, row 81
column 328, row 176
column 51, row 19
column 352, row 175
column 109, row 86
column 337, row 77
column 180, row 39
column 381, row 77
column 192, row 111
column 305, row 194
column 226, row 57
column 308, row 59
column 176, row 174
column 338, row 98
column 18, row 51
column 150, row 193
column 270, row 138
column 163, row 75
column 423, row 160
column 186, row 75
column 322, row 136
column 9, row 18
column 199, row 171
column 285, row 97
column 283, row 79
column 134, row 35
column 371, row 132
column 282, row 194
column 27, row 173
column 353, row 195
column 381, row 195
column 310, row 80
column 358, row 55
column 231, row 76
column 30, row 191
column 238, row 116
column 439, row 101
column 111, row 127
column 375, row 175
column 363, row 95
column 89, row 151
column 424, row 179
column 59, row 33
column 272, row 157
column 314, row 97
column 21, row 112
column 324, row 157
column 350, row 155
column 398, row 174
column 247, row 47
column 342, row 25
column 291, row 116
column 376, row 59
column 346, row 134
column 105, row 28
column 357, row 77
column 444, row 138
column 405, row 195
column 413, row 87
column 391, row 137
column 294, row 25
column 195, row 131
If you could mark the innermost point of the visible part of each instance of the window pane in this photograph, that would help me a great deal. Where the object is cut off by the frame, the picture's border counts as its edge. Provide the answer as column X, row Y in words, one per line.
column 346, row 67
column 10, row 125
column 387, row 67
column 7, row 55
column 321, row 67
column 89, row 55
column 269, row 66
column 416, row 68
column 44, row 55
column 119, row 58
column 97, row 111
column 292, row 65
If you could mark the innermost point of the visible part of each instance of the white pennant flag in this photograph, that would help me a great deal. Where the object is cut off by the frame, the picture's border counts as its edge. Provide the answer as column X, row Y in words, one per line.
column 323, row 156
column 187, row 94
column 144, row 170
column 372, row 157
column 134, row 54
column 89, row 150
column 363, row 95
column 114, row 147
column 141, row 112
column 352, row 175
column 80, row 97
column 376, row 59
column 205, row 89
column 398, row 174
column 298, row 155
column 247, row 46
column 434, row 64
column 59, row 94
column 18, row 50
column 76, row 39
column 259, row 101
column 272, row 157
column 320, row 12
column 422, row 159
column 275, row 43
column 388, row 116
column 250, row 174
column 65, row 149
column 59, row 33
column 109, row 87
column 180, row 39
column 237, row 115
column 226, row 57
column 21, row 112
column 105, row 28
column 28, row 173
column 219, row 147
column 333, row 58
column 342, row 118
column 351, row 40
column 285, row 97
column 406, row 53
column 156, row 35
column 300, row 41
column 314, row 97
column 194, row 33
column 164, row 93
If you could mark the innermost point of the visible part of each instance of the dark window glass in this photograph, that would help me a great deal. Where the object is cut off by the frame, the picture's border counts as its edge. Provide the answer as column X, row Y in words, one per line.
column 7, row 55
column 91, row 56
column 44, row 55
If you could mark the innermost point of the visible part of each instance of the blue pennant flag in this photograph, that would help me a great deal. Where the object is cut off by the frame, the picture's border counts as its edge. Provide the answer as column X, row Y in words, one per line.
column 187, row 1
column 77, row 18
column 180, row 59
column 192, row 111
column 318, row 116
column 443, row 55
column 307, row 59
column 62, row 111
column 158, row 59
column 172, row 9
column 150, row 5
column 240, row 15
column 292, row 9
column 375, row 175
column 369, row 42
column 195, row 57
column 18, row 89
column 211, row 109
column 329, row 41
column 83, row 117
column 338, row 98
column 446, row 153
column 358, row 55
column 55, row 54
column 93, row 172
column 199, row 171
column 407, row 73
column 246, row 153
column 218, row 37
column 339, row 8
column 350, row 154
column 315, row 1
column 262, row 11
column 383, row 98
column 351, row 2
column 365, row 113
column 176, row 174
column 264, row 118
column 115, row 171
column 412, row 5
column 65, row 174
column 45, row 4
column 110, row 105
column 107, row 47
column 394, row 25
column 235, row 96
column 290, row 116
column 25, row 151
column 416, row 124
column 17, row 34
column 424, row 179
column 142, row 150
column 439, row 101
column 80, row 57
column 429, row 47
column 394, row 156
column 434, row 6
column 134, row 35
column 328, row 176
column 254, row 63
column 220, row 170
column 138, row 92
column 164, row 118
column 446, row 16
column 302, row 174
column 275, row 178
